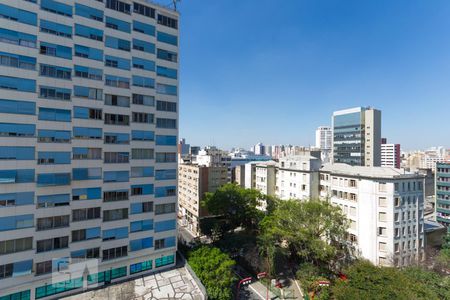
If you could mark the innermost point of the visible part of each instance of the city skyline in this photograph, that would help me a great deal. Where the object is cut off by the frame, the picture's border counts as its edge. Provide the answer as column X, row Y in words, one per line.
column 288, row 79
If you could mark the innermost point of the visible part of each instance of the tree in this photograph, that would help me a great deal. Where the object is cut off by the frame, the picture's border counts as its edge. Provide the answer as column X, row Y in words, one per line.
column 236, row 205
column 215, row 270
column 314, row 231
column 366, row 281
column 439, row 285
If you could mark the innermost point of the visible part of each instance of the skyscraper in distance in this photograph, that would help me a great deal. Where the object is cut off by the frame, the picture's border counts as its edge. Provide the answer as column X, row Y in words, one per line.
column 324, row 142
column 88, row 142
column 357, row 136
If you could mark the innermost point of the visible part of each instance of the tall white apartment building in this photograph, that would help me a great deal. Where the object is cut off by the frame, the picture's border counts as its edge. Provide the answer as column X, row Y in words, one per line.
column 390, row 155
column 298, row 177
column 88, row 134
column 385, row 208
column 324, row 142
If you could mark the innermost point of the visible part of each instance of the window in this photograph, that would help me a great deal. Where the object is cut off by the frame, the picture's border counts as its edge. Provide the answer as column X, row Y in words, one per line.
column 17, row 61
column 142, row 172
column 144, row 10
column 167, row 55
column 117, row 157
column 115, row 234
column 166, row 106
column 16, row 153
column 144, row 28
column 16, row 176
column 53, row 179
column 167, row 21
column 116, row 81
column 142, row 135
column 89, row 32
column 165, row 225
column 382, row 231
column 166, row 72
column 16, row 222
column 117, row 62
column 53, row 158
column 142, row 118
column 115, row 252
column 17, row 130
column 16, row 199
column 115, row 214
column 55, row 93
column 167, row 38
column 85, row 234
column 166, row 123
column 88, row 52
column 87, row 133
column 58, row 287
column 87, row 194
column 119, row 6
column 166, row 140
column 89, row 73
column 17, row 107
column 87, row 113
column 86, row 173
column 17, row 245
column 17, row 84
column 117, row 43
column 55, row 72
column 143, row 207
column 167, row 208
column 109, row 196
column 52, row 222
column 382, row 187
column 382, row 202
column 165, row 174
column 139, row 244
column 53, row 114
column 55, row 29
column 86, row 253
column 165, row 243
column 165, row 260
column 117, row 138
column 142, row 225
column 116, row 119
column 53, row 136
column 141, row 189
column 16, row 269
column 106, row 275
column 141, row 267
column 116, row 176
column 140, row 153
column 17, row 38
column 52, row 244
column 165, row 191
column 143, row 100
column 87, row 92
column 116, row 100
column 87, row 153
column 56, row 7
column 85, row 214
column 166, row 157
column 44, row 267
column 143, row 64
column 382, row 217
column 118, row 24
column 166, row 89
column 382, row 246
column 18, row 15
column 88, row 12
column 143, row 46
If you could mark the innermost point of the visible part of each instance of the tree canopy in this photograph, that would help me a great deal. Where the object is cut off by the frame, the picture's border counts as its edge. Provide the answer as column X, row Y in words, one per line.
column 215, row 270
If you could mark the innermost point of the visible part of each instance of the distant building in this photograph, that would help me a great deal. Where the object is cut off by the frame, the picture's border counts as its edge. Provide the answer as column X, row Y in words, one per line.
column 260, row 149
column 357, row 137
column 324, row 142
column 385, row 208
column 193, row 182
column 183, row 148
column 298, row 177
column 390, row 155
column 443, row 193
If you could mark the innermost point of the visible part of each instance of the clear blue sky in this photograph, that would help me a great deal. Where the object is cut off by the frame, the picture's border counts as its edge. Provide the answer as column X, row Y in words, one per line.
column 274, row 70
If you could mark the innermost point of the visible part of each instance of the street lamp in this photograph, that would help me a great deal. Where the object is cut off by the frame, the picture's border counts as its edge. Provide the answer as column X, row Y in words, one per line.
column 245, row 281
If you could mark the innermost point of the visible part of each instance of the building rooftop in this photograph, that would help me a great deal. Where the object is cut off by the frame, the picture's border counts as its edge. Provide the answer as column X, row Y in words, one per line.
column 375, row 172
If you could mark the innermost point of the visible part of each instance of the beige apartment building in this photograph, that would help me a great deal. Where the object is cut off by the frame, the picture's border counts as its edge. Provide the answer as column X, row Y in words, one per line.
column 194, row 181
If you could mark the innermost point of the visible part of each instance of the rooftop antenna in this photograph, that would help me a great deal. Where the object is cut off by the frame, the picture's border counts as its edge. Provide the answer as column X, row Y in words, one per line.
column 175, row 4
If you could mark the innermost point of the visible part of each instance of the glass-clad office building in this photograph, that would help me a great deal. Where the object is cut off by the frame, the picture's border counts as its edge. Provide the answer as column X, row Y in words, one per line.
column 88, row 132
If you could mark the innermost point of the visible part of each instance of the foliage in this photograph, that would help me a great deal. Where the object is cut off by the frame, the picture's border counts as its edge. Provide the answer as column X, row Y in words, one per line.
column 215, row 270
column 308, row 275
column 237, row 207
column 446, row 242
column 439, row 285
column 443, row 260
column 366, row 281
column 313, row 231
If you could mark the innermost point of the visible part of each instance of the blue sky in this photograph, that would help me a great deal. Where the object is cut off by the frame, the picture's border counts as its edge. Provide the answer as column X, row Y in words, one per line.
column 274, row 70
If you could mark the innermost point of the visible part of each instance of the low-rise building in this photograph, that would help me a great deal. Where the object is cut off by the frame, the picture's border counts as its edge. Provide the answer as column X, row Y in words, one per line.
column 265, row 177
column 385, row 209
column 193, row 182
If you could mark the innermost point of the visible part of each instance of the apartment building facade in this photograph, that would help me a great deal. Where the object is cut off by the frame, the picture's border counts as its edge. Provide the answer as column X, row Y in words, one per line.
column 385, row 208
column 390, row 155
column 442, row 190
column 88, row 134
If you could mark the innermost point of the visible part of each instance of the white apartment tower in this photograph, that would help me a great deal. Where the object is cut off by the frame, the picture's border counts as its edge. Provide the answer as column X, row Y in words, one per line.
column 324, row 142
column 385, row 208
column 88, row 135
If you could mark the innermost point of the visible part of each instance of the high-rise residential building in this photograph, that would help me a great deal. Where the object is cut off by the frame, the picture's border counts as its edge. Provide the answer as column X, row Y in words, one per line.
column 324, row 142
column 260, row 149
column 357, row 136
column 390, row 155
column 88, row 142
column 193, row 182
column 443, row 193
column 265, row 180
column 385, row 207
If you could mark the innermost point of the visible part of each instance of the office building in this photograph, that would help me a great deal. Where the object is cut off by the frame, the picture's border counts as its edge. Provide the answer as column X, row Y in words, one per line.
column 385, row 207
column 357, row 137
column 193, row 182
column 88, row 142
column 443, row 193
column 390, row 155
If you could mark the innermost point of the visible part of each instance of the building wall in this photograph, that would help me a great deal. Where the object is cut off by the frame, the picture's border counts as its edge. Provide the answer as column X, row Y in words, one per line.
column 390, row 155
column 54, row 173
column 443, row 193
